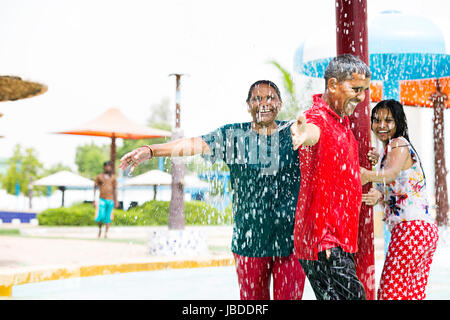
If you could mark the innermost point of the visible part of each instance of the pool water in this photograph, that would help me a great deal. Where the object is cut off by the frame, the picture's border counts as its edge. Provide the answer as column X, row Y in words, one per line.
column 213, row 283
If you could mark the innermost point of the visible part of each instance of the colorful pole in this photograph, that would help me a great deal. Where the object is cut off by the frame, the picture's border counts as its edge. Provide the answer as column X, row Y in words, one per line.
column 439, row 98
column 176, row 209
column 352, row 38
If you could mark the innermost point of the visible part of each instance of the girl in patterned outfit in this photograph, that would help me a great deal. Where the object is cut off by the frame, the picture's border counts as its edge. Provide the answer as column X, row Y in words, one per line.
column 400, row 184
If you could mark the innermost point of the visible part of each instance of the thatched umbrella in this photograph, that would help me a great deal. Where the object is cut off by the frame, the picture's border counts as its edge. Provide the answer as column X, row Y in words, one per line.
column 14, row 88
column 114, row 124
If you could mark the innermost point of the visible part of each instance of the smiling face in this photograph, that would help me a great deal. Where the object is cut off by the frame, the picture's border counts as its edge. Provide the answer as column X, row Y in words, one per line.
column 345, row 95
column 264, row 105
column 383, row 125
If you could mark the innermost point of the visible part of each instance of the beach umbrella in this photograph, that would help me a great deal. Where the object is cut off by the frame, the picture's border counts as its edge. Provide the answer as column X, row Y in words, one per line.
column 409, row 63
column 153, row 178
column 113, row 124
column 14, row 88
column 149, row 178
column 417, row 73
column 65, row 180
column 432, row 93
column 192, row 181
column 402, row 48
column 157, row 178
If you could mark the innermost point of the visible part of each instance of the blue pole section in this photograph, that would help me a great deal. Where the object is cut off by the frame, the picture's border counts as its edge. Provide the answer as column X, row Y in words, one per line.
column 17, row 186
column 161, row 163
column 226, row 191
column 390, row 91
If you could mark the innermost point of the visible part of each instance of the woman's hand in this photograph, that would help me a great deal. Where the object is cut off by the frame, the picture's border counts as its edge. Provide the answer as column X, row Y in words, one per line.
column 135, row 157
column 371, row 198
column 373, row 156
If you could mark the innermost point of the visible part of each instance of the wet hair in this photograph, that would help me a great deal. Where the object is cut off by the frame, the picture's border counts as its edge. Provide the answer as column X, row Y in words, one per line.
column 107, row 163
column 343, row 66
column 396, row 109
column 259, row 82
column 401, row 124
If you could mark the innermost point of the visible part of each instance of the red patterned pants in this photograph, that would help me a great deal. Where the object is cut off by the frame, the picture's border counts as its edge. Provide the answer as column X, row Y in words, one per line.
column 408, row 260
column 254, row 275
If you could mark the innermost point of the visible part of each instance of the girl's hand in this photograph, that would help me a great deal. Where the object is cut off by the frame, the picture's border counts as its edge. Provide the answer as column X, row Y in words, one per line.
column 373, row 156
column 371, row 198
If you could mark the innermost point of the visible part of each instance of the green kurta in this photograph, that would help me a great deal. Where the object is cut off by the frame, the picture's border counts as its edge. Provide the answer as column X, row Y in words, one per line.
column 265, row 181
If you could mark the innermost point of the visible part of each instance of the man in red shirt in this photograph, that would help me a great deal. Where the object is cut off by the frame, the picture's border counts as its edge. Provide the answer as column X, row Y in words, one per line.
column 326, row 221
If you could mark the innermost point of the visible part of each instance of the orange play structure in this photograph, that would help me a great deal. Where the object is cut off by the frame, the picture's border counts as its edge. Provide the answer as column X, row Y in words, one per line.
column 414, row 92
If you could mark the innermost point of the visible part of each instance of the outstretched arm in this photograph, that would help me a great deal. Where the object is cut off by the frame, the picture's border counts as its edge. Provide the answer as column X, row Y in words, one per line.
column 176, row 148
column 397, row 159
column 304, row 133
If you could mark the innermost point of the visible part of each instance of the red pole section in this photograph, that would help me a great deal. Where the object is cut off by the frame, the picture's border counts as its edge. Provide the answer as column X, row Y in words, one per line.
column 352, row 38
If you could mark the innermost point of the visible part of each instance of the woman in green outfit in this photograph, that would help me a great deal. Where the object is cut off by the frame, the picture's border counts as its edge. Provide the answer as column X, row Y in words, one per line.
column 265, row 181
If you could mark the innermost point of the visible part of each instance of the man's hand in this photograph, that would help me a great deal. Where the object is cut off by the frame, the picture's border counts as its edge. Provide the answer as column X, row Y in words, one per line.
column 298, row 131
column 135, row 157
column 371, row 198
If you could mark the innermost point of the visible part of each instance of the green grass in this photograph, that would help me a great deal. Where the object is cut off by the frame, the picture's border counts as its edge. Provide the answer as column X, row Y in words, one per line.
column 9, row 232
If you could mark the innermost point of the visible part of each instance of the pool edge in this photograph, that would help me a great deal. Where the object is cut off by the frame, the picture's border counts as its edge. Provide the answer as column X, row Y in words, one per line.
column 49, row 273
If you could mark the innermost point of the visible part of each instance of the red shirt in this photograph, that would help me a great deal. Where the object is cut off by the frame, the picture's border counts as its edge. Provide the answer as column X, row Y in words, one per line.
column 330, row 191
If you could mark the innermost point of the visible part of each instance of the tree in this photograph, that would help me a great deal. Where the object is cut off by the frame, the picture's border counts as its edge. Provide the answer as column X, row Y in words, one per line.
column 56, row 168
column 22, row 169
column 294, row 100
column 160, row 117
column 90, row 158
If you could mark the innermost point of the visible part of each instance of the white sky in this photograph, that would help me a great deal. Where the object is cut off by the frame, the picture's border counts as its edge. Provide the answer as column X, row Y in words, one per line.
column 98, row 54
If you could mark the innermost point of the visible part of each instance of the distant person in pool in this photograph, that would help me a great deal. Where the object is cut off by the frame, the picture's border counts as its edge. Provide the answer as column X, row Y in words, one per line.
column 107, row 183
column 401, row 186
column 265, row 179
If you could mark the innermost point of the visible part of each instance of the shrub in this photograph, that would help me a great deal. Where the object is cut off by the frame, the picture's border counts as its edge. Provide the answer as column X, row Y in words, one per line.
column 76, row 215
column 152, row 212
column 196, row 213
column 201, row 213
